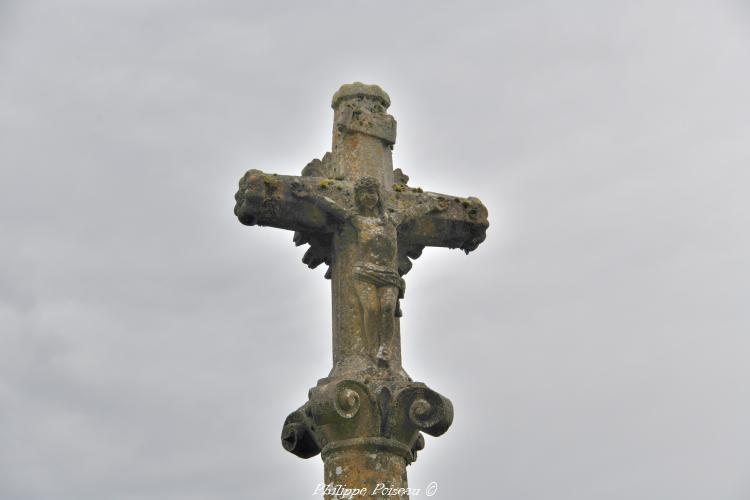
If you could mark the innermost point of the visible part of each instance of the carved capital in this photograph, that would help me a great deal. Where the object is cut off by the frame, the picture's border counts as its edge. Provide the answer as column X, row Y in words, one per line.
column 384, row 414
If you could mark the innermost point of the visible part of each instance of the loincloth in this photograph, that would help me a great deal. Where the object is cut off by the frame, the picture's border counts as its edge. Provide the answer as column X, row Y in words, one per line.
column 380, row 276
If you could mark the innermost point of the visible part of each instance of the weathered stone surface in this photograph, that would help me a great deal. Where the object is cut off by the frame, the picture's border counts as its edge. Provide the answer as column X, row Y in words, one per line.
column 362, row 219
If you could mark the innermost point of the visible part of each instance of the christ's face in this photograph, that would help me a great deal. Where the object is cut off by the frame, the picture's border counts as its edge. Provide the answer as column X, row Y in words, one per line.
column 368, row 198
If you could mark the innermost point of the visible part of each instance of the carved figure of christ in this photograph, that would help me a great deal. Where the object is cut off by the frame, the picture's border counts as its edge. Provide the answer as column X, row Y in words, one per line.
column 377, row 283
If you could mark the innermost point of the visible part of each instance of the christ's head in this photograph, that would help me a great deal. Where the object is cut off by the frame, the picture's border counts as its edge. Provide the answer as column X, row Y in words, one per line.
column 367, row 195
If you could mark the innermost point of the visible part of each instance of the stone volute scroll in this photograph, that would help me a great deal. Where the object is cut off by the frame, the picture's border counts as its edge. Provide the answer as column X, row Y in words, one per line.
column 362, row 219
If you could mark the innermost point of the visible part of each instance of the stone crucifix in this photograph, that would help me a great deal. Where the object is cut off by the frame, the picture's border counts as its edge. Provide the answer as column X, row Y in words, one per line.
column 362, row 219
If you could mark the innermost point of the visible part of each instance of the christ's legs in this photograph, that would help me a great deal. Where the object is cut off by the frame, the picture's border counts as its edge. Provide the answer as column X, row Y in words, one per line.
column 369, row 304
column 388, row 296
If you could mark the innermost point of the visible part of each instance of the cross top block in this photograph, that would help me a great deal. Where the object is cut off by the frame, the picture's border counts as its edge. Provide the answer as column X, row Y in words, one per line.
column 359, row 89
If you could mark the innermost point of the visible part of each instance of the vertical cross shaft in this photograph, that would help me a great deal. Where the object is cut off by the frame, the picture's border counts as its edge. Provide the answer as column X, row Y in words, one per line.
column 363, row 134
column 363, row 138
column 362, row 219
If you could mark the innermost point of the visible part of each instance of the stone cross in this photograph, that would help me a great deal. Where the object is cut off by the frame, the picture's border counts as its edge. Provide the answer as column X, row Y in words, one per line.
column 362, row 219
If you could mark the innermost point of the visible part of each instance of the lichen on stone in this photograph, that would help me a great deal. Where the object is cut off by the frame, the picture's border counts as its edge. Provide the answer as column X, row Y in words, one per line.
column 270, row 182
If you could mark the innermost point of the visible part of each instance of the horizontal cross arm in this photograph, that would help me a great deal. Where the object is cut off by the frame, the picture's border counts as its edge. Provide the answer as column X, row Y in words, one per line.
column 439, row 220
column 285, row 202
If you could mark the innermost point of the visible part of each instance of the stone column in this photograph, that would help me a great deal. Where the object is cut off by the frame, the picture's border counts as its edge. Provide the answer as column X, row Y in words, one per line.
column 372, row 467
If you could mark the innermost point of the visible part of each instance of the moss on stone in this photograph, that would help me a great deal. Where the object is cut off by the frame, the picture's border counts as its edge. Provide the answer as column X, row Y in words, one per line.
column 271, row 183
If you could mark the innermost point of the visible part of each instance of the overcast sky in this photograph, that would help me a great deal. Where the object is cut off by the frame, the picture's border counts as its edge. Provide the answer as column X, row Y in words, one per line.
column 595, row 347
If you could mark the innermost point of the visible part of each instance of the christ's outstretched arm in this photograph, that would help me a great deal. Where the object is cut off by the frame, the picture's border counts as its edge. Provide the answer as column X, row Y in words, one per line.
column 308, row 204
column 321, row 200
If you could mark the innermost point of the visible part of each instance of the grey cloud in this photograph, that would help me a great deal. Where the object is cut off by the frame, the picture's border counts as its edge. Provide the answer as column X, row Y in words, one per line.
column 594, row 347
